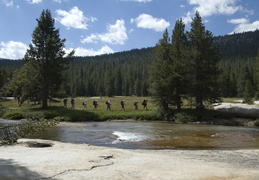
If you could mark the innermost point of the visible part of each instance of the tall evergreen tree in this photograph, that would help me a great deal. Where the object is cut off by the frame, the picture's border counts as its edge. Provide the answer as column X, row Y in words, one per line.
column 243, row 75
column 178, row 65
column 46, row 56
column 204, row 59
column 248, row 92
column 159, row 72
column 118, row 84
column 256, row 75
column 2, row 77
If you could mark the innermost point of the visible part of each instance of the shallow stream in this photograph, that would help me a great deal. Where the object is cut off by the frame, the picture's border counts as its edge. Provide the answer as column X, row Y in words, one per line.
column 152, row 135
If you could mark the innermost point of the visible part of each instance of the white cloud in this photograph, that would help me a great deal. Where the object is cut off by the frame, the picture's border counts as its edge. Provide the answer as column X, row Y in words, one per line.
column 73, row 19
column 90, row 39
column 144, row 1
column 149, row 22
column 58, row 1
column 12, row 50
column 116, row 34
column 34, row 1
column 90, row 52
column 243, row 25
column 8, row 3
column 212, row 7
column 238, row 21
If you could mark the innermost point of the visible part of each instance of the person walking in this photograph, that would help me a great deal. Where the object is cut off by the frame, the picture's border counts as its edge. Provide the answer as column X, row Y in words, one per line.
column 108, row 104
column 136, row 105
column 84, row 105
column 123, row 105
column 144, row 103
column 95, row 103
column 73, row 103
column 65, row 103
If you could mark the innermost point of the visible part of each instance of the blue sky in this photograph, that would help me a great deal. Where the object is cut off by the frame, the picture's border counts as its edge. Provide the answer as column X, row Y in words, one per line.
column 94, row 27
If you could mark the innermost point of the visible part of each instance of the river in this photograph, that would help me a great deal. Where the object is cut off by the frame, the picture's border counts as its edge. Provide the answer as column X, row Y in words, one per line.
column 152, row 135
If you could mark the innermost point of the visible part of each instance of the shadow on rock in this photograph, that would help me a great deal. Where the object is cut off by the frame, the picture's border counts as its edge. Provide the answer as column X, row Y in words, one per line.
column 10, row 169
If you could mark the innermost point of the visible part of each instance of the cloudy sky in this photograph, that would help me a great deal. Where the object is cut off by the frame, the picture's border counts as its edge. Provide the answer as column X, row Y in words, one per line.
column 94, row 27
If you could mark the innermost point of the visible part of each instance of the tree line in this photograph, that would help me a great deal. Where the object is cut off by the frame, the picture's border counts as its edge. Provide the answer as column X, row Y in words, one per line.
column 128, row 73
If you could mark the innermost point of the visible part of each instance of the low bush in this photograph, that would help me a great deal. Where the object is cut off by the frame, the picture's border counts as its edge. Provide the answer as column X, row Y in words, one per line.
column 256, row 122
column 184, row 118
column 13, row 115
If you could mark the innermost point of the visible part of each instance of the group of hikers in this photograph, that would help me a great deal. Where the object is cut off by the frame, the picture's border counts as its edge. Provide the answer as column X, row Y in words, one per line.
column 108, row 104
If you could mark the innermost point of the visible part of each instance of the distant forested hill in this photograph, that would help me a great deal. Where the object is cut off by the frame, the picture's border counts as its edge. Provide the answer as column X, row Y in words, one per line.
column 126, row 73
column 242, row 45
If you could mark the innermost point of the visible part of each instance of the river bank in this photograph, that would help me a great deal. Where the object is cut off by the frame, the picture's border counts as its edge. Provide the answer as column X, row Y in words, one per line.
column 82, row 161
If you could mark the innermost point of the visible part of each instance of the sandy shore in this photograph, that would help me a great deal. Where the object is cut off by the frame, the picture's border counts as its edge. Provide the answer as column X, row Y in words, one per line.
column 82, row 161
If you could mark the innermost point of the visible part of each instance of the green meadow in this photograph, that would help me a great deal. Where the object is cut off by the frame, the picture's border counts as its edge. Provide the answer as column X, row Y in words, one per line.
column 11, row 110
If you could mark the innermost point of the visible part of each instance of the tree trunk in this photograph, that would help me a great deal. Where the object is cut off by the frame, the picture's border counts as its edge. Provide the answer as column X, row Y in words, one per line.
column 45, row 99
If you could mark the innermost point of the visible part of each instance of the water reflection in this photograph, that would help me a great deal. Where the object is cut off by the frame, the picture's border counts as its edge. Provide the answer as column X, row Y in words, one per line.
column 153, row 135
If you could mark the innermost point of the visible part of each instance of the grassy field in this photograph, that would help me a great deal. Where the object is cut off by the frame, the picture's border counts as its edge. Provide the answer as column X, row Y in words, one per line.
column 11, row 110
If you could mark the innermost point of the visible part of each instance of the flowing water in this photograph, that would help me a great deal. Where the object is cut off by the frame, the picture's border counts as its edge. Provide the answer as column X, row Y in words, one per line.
column 153, row 135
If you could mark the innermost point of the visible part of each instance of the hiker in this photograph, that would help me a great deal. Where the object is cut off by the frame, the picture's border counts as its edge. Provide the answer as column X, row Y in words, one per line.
column 108, row 104
column 95, row 104
column 65, row 102
column 73, row 103
column 84, row 105
column 136, row 105
column 144, row 103
column 19, row 99
column 123, row 105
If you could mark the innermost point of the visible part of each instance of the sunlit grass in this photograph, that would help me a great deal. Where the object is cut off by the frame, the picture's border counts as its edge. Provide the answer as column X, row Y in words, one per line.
column 57, row 110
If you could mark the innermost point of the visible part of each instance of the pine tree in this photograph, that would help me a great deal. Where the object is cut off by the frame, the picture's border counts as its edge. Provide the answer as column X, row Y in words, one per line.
column 46, row 57
column 204, row 59
column 256, row 75
column 159, row 72
column 248, row 92
column 178, row 65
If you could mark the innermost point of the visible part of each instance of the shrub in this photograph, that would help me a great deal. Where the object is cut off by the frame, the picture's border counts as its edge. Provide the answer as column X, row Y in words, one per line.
column 256, row 122
column 1, row 110
column 13, row 116
column 33, row 115
column 62, row 118
column 184, row 118
column 167, row 115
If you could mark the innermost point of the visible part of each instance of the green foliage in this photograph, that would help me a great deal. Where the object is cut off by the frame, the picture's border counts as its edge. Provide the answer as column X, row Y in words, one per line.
column 33, row 115
column 248, row 92
column 204, row 61
column 185, row 67
column 159, row 72
column 1, row 110
column 86, row 76
column 256, row 122
column 183, row 117
column 45, row 64
column 118, row 74
column 13, row 115
column 257, row 96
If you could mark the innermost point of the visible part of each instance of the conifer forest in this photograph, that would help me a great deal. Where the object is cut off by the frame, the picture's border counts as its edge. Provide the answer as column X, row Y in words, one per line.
column 127, row 73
